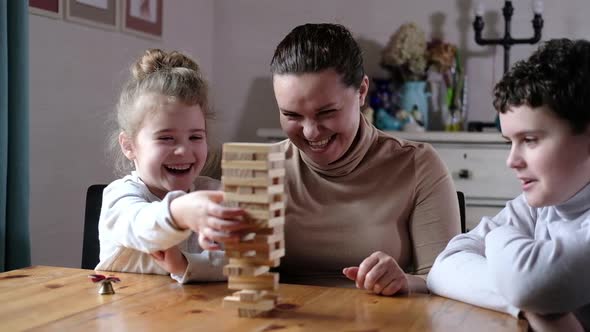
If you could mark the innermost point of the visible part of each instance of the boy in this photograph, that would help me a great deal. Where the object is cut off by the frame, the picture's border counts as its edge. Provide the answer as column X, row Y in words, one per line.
column 533, row 256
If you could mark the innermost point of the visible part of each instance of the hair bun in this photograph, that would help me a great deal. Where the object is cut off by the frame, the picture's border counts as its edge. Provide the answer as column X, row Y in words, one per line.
column 156, row 59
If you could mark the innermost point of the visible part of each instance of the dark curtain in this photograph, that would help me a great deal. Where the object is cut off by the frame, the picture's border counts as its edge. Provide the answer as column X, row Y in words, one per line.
column 15, row 247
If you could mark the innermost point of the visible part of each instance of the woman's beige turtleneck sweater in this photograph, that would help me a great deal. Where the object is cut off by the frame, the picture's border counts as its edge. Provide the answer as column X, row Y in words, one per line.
column 385, row 194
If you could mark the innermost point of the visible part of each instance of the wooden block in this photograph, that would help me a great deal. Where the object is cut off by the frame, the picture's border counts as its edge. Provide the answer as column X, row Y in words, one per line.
column 240, row 254
column 271, row 173
column 265, row 235
column 226, row 155
column 251, row 313
column 246, row 155
column 251, row 147
column 260, row 305
column 277, row 157
column 245, row 173
column 255, row 190
column 270, row 223
column 273, row 156
column 266, row 281
column 253, row 260
column 276, row 230
column 248, row 237
column 238, row 173
column 245, row 190
column 264, row 244
column 269, row 262
column 277, row 164
column 253, row 257
column 249, row 295
column 268, row 238
column 249, row 181
column 244, row 270
column 268, row 208
column 261, row 214
column 270, row 296
column 251, row 165
column 258, row 198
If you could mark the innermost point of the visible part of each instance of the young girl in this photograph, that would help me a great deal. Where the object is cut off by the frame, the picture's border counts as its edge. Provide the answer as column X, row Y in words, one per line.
column 149, row 218
column 532, row 258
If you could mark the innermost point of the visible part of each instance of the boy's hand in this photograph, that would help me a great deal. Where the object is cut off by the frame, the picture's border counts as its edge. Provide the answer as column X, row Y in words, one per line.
column 171, row 260
column 380, row 274
column 553, row 322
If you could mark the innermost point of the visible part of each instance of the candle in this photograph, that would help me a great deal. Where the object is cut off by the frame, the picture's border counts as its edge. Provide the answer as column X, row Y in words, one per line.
column 479, row 9
column 537, row 7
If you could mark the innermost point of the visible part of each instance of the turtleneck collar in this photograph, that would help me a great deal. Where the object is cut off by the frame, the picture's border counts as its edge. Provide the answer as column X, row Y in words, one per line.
column 576, row 205
column 363, row 141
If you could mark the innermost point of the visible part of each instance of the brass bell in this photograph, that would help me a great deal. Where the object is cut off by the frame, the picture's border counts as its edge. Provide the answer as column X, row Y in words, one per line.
column 106, row 288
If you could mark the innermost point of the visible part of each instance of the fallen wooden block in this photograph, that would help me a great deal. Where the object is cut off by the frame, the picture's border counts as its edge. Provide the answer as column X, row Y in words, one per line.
column 259, row 305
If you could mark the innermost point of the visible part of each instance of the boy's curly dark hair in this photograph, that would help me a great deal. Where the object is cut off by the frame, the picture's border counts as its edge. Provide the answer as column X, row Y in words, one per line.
column 556, row 75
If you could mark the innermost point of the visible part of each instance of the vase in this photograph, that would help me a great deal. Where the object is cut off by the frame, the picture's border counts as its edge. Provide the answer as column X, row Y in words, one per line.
column 381, row 96
column 414, row 97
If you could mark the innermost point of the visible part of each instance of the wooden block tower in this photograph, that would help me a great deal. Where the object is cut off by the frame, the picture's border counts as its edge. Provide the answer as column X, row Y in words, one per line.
column 253, row 179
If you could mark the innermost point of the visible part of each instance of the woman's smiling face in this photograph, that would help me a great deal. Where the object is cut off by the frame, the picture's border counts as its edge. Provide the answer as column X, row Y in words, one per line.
column 319, row 114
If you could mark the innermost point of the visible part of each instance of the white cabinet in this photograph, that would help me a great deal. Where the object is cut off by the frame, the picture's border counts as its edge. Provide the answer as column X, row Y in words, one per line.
column 476, row 161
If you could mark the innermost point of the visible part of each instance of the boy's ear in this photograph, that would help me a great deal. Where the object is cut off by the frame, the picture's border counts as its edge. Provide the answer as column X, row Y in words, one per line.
column 126, row 144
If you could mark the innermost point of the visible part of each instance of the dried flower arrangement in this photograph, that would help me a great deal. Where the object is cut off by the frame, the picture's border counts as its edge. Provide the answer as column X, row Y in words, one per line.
column 412, row 60
column 406, row 53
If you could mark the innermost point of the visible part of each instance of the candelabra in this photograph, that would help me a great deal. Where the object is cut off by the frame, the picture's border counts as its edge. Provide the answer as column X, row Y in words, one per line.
column 507, row 41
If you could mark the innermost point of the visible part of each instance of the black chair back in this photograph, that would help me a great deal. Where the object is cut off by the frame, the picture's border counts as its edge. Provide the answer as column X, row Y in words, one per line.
column 461, row 199
column 90, row 245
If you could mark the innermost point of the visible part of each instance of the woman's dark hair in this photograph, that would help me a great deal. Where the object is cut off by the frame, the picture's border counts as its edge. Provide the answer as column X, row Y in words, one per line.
column 311, row 48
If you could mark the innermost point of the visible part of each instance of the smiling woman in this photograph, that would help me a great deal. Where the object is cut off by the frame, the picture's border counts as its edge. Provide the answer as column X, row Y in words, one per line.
column 362, row 205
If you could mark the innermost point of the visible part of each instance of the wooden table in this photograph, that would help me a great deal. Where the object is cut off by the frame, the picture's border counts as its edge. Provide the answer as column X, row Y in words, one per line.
column 64, row 299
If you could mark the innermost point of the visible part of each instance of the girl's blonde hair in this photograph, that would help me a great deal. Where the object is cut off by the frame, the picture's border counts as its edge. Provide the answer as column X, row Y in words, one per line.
column 171, row 74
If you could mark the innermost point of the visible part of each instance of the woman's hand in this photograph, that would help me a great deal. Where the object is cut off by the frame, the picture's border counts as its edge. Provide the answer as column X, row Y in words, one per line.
column 380, row 274
column 171, row 260
column 553, row 322
column 202, row 212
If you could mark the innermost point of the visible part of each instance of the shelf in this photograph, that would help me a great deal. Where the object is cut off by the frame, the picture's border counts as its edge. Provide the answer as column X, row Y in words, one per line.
column 276, row 134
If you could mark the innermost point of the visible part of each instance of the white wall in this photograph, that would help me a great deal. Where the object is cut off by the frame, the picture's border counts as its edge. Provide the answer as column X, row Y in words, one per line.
column 76, row 72
column 247, row 31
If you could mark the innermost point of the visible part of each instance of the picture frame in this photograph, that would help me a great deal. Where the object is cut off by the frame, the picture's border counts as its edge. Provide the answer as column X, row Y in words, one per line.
column 97, row 13
column 143, row 18
column 49, row 8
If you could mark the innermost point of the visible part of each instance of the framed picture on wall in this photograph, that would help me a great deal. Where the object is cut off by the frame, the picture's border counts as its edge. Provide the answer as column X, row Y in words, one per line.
column 97, row 13
column 50, row 8
column 143, row 17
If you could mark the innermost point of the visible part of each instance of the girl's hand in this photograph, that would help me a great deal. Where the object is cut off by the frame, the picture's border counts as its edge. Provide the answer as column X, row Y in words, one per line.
column 171, row 260
column 380, row 274
column 202, row 212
